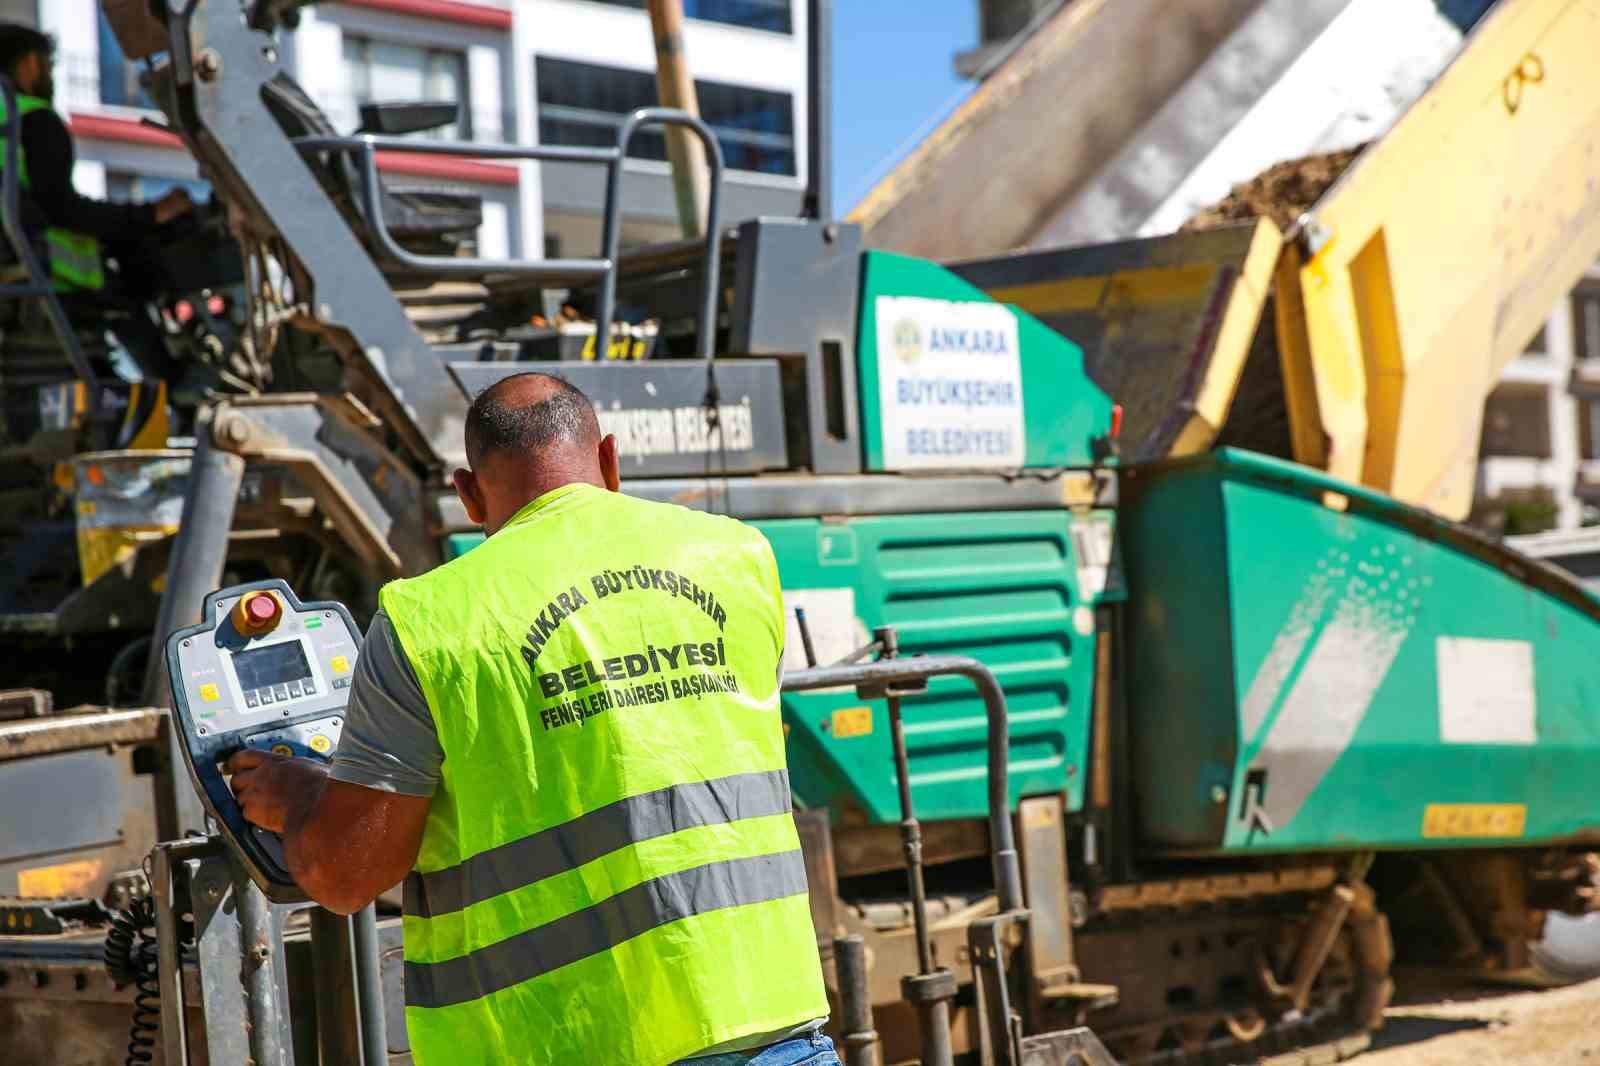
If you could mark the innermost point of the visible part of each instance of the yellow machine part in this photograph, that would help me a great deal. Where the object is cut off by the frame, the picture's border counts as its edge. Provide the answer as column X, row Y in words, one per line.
column 1166, row 324
column 1439, row 253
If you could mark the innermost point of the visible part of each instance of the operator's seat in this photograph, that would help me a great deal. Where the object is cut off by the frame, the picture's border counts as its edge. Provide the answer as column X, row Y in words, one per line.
column 422, row 219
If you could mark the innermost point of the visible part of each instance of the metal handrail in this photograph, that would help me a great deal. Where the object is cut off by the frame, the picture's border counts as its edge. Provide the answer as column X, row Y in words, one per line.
column 39, row 286
column 884, row 672
column 366, row 146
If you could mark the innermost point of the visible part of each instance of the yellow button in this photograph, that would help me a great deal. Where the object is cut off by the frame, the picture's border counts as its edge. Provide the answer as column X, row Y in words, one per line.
column 282, row 749
column 209, row 692
column 339, row 663
column 321, row 744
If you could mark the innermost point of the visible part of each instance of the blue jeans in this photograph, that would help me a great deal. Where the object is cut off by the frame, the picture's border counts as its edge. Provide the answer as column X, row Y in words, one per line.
column 813, row 1050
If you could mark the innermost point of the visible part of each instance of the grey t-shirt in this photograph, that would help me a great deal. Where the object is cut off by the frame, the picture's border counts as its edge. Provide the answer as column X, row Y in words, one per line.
column 389, row 740
column 390, row 743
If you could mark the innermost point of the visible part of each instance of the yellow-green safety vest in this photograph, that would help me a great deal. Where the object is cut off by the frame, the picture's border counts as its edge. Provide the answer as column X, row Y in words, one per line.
column 75, row 261
column 610, row 871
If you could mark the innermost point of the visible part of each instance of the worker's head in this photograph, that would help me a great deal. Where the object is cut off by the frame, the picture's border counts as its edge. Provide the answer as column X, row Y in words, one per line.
column 526, row 435
column 27, row 57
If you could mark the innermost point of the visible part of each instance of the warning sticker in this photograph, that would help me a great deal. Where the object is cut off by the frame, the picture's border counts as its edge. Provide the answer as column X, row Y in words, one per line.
column 1474, row 820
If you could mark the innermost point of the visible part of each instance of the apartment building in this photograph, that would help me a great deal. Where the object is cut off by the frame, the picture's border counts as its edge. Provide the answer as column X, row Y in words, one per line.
column 1539, row 459
column 522, row 71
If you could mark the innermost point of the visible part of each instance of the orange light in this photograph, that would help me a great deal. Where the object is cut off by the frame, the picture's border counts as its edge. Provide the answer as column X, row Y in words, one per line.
column 256, row 613
column 1116, row 421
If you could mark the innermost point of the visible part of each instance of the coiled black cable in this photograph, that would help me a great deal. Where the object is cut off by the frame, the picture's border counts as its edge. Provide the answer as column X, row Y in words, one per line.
column 131, row 959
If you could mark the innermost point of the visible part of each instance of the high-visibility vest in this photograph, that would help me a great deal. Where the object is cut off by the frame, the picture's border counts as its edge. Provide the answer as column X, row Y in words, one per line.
column 610, row 871
column 75, row 261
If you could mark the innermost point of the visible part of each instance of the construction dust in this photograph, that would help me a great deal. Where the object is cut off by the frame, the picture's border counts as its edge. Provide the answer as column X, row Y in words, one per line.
column 1282, row 192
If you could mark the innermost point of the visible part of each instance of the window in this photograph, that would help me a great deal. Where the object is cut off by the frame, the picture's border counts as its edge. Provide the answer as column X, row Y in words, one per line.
column 384, row 72
column 1586, row 320
column 1516, row 422
column 127, row 187
column 582, row 104
column 771, row 15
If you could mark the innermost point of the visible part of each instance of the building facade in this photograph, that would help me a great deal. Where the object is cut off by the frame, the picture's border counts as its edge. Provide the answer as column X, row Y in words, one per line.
column 1539, row 459
column 521, row 71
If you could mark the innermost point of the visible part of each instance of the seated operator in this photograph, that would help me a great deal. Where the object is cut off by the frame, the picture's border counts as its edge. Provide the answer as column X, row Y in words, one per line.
column 80, row 232
column 570, row 736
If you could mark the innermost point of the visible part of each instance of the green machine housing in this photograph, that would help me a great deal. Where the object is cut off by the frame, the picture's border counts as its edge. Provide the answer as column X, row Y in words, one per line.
column 1315, row 666
column 1309, row 666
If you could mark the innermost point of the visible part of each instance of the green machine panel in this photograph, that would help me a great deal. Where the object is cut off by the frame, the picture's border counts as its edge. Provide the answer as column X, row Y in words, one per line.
column 1003, row 587
column 1316, row 666
column 1015, row 590
column 950, row 379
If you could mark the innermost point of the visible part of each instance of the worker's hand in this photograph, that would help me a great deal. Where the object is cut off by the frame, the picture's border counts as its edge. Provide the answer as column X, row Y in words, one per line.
column 175, row 204
column 275, row 790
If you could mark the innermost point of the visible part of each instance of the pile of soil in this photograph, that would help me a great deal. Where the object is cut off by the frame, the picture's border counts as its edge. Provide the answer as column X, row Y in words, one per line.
column 1282, row 192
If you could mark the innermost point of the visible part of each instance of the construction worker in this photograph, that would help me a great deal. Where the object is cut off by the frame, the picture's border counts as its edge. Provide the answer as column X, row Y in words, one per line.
column 567, row 742
column 81, row 233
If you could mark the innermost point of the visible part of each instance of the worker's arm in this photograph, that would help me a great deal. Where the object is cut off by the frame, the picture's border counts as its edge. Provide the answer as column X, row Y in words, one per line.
column 344, row 843
column 49, row 151
column 354, row 826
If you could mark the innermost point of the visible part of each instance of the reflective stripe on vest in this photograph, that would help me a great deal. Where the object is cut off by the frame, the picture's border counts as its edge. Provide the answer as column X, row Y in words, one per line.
column 610, row 869
column 75, row 261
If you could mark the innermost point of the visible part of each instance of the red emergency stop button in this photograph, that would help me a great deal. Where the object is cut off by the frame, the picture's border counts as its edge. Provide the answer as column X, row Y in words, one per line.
column 257, row 613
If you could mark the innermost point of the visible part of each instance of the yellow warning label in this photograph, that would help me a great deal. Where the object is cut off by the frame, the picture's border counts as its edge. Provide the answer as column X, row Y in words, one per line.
column 321, row 744
column 339, row 663
column 852, row 722
column 51, row 882
column 1474, row 820
column 210, row 692
column 282, row 749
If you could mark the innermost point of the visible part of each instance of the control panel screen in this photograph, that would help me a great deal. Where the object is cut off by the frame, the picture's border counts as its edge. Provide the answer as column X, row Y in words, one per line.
column 276, row 664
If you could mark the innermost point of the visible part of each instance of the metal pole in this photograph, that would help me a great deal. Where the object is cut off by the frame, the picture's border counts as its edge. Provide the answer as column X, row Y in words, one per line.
column 260, row 951
column 819, row 133
column 860, row 1038
column 332, row 953
column 198, row 551
column 369, row 989
column 675, row 88
column 174, row 1038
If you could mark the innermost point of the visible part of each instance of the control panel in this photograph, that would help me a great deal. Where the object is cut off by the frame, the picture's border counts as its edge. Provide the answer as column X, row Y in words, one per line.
column 261, row 670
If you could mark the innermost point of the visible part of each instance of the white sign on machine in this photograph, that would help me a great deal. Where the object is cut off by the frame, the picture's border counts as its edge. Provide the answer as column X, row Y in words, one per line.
column 950, row 384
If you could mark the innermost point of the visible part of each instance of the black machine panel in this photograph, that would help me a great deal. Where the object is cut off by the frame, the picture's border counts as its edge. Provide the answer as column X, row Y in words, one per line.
column 657, row 409
column 261, row 670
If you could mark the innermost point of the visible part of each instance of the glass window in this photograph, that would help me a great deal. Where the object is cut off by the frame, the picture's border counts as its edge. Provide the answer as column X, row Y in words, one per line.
column 127, row 187
column 1586, row 319
column 385, row 72
column 771, row 15
column 1516, row 421
column 582, row 104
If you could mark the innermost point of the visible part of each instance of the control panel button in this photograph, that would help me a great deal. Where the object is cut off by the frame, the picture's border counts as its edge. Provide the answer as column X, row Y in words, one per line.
column 251, row 700
column 341, row 682
column 265, row 694
column 256, row 613
column 308, row 686
column 281, row 692
column 210, row 693
column 321, row 744
column 294, row 689
column 340, row 664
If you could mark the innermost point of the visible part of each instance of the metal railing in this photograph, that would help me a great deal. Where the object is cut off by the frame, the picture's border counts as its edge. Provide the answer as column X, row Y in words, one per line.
column 365, row 147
